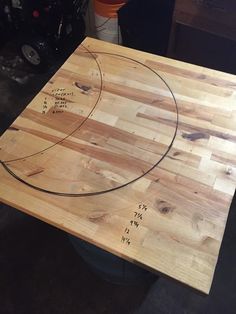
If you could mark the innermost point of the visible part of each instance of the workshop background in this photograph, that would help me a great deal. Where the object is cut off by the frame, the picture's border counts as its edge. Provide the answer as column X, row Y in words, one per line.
column 40, row 272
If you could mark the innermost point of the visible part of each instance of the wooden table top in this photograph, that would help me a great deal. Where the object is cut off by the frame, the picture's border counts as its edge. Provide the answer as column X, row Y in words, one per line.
column 132, row 152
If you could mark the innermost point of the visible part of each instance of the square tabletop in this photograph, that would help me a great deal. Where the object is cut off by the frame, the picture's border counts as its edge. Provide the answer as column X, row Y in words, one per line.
column 132, row 152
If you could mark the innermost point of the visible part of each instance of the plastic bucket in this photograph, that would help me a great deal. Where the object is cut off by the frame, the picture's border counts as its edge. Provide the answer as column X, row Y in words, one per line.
column 106, row 20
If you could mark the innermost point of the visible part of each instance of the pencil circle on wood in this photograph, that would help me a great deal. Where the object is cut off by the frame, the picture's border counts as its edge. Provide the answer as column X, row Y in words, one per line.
column 101, row 123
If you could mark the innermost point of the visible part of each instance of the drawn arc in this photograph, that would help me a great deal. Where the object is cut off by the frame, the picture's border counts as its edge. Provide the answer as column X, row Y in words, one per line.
column 5, row 166
column 78, row 127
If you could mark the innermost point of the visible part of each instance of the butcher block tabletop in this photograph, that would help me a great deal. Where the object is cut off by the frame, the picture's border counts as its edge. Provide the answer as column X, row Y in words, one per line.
column 132, row 152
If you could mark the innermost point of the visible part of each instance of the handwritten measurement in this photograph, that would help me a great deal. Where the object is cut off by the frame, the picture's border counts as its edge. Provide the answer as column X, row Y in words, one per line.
column 60, row 100
column 60, row 103
column 125, row 240
column 45, row 105
column 61, row 92
column 134, row 224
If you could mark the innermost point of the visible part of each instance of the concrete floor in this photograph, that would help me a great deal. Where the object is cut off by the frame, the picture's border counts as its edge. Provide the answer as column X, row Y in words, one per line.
column 41, row 273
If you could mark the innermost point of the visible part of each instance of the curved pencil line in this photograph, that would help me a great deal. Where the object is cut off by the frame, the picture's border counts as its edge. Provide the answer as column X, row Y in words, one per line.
column 121, row 186
column 78, row 127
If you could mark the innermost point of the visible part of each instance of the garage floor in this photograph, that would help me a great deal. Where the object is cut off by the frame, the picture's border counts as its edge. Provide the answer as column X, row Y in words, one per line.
column 41, row 273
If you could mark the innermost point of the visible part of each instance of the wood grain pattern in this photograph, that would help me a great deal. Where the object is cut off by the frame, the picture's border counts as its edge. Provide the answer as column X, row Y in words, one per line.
column 107, row 121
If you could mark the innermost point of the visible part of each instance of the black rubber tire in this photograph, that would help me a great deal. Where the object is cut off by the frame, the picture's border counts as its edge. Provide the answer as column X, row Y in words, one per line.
column 42, row 48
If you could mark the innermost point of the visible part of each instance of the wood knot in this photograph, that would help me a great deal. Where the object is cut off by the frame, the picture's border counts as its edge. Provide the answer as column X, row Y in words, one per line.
column 197, row 220
column 165, row 210
column 84, row 88
column 229, row 170
column 202, row 76
column 195, row 136
column 176, row 154
column 98, row 217
column 164, row 207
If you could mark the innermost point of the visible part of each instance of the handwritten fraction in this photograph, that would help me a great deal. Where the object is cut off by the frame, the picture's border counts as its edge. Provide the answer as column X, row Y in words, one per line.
column 134, row 224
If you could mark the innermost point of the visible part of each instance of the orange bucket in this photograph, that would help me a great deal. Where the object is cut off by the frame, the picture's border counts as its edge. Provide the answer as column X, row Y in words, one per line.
column 108, row 8
column 106, row 20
